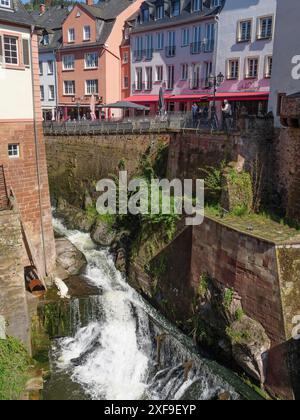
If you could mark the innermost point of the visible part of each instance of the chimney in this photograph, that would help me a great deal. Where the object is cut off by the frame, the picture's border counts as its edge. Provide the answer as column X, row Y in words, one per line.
column 89, row 2
column 42, row 9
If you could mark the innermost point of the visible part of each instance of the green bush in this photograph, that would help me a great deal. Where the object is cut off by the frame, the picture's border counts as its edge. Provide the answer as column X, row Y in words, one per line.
column 14, row 364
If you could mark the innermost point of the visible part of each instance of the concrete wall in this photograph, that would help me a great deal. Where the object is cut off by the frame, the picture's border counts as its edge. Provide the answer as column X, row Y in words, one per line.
column 13, row 303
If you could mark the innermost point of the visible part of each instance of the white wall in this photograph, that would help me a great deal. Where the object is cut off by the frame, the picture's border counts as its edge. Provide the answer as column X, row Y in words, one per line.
column 229, row 48
column 286, row 53
column 15, row 86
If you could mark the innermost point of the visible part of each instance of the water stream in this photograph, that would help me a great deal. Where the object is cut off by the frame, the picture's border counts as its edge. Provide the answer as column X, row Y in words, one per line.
column 112, row 355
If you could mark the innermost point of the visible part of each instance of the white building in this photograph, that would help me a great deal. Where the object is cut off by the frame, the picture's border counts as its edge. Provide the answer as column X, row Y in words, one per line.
column 51, row 20
column 286, row 70
column 244, row 52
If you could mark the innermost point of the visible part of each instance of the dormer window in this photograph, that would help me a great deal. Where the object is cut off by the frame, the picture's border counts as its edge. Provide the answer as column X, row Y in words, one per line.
column 45, row 39
column 196, row 5
column 160, row 12
column 5, row 3
column 175, row 8
column 145, row 15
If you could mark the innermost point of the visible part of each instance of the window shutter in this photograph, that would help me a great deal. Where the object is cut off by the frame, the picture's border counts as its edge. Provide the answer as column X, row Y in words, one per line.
column 26, row 59
column 1, row 50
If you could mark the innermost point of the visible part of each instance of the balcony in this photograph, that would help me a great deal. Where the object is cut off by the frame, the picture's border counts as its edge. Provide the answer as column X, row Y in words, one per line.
column 170, row 51
column 197, row 83
column 138, row 87
column 148, row 54
column 196, row 47
column 202, row 47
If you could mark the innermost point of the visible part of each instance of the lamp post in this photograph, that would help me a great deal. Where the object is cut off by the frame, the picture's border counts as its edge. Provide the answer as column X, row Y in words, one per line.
column 215, row 82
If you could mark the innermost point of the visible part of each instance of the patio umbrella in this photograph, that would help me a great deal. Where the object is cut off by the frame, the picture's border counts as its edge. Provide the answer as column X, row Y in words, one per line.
column 93, row 108
column 161, row 101
column 126, row 105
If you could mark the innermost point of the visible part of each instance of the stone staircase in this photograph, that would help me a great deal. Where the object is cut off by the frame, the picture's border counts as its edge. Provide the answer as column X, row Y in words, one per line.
column 3, row 190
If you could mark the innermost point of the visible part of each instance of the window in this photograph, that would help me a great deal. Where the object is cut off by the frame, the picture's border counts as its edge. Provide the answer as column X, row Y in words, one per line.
column 195, row 82
column 170, row 81
column 196, row 5
column 91, row 61
column 160, row 12
column 91, row 87
column 126, row 82
column 69, row 87
column 149, row 47
column 159, row 73
column 244, row 31
column 160, row 41
column 184, row 71
column 269, row 65
column 196, row 45
column 68, row 62
column 210, row 37
column 13, row 151
column 175, row 8
column 252, row 68
column 50, row 64
column 42, row 92
column 125, row 57
column 45, row 39
column 139, row 78
column 11, row 50
column 265, row 29
column 185, row 37
column 145, row 15
column 86, row 33
column 149, row 80
column 171, row 48
column 5, row 3
column 51, row 93
column 71, row 35
column 41, row 68
column 233, row 69
column 215, row 3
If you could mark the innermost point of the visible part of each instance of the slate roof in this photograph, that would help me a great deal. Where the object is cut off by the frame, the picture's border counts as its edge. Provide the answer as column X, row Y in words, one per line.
column 185, row 16
column 17, row 14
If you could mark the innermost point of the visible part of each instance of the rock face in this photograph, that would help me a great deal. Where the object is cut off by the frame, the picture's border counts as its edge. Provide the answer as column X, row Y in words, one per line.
column 74, row 218
column 2, row 328
column 69, row 258
column 102, row 234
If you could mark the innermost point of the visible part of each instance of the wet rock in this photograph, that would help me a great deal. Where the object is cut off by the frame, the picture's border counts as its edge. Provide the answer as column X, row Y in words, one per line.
column 250, row 344
column 74, row 218
column 69, row 258
column 103, row 234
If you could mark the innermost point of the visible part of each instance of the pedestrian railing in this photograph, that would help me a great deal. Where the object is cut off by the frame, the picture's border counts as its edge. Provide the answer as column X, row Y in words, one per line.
column 169, row 122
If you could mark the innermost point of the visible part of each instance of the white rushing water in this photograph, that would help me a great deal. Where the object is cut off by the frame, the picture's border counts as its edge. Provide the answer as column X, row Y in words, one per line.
column 117, row 355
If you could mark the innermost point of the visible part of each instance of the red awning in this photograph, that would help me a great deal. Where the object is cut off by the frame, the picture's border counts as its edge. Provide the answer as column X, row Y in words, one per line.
column 243, row 96
column 188, row 97
column 142, row 98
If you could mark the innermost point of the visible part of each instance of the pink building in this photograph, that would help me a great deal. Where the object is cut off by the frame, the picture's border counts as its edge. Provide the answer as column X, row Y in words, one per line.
column 173, row 46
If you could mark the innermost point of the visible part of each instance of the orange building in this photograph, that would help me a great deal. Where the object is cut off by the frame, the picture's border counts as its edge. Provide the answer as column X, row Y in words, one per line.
column 89, row 61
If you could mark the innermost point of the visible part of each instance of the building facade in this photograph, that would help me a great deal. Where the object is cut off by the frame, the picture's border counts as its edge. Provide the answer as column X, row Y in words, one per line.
column 88, row 62
column 50, row 19
column 244, row 53
column 173, row 46
column 22, row 149
column 285, row 85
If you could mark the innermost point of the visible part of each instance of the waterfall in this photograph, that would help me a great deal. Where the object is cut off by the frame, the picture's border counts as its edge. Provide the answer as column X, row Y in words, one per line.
column 114, row 356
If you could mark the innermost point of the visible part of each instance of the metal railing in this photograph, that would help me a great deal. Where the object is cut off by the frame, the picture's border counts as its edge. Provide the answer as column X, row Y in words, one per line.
column 171, row 121
column 170, row 51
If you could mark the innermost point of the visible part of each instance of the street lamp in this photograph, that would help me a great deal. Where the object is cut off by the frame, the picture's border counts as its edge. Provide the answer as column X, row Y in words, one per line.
column 215, row 82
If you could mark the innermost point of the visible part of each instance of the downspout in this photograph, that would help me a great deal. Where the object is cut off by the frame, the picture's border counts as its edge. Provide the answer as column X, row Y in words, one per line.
column 37, row 152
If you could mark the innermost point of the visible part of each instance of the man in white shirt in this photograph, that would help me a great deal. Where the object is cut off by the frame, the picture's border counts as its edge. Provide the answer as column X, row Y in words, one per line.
column 227, row 115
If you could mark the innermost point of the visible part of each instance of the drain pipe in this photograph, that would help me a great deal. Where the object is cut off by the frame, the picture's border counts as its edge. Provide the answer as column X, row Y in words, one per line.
column 37, row 151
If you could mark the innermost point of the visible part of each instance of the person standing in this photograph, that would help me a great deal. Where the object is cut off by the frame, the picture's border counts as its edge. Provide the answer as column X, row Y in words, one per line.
column 195, row 114
column 227, row 115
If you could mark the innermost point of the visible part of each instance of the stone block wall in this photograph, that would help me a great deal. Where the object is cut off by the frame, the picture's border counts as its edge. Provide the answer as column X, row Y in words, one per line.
column 13, row 303
column 27, row 176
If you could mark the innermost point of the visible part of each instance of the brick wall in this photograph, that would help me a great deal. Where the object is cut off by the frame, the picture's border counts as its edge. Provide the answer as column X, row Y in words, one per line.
column 3, row 190
column 22, row 176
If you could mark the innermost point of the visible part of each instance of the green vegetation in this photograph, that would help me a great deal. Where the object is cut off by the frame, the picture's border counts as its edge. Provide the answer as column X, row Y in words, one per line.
column 239, row 314
column 213, row 182
column 14, row 365
column 228, row 298
column 203, row 285
column 236, row 336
